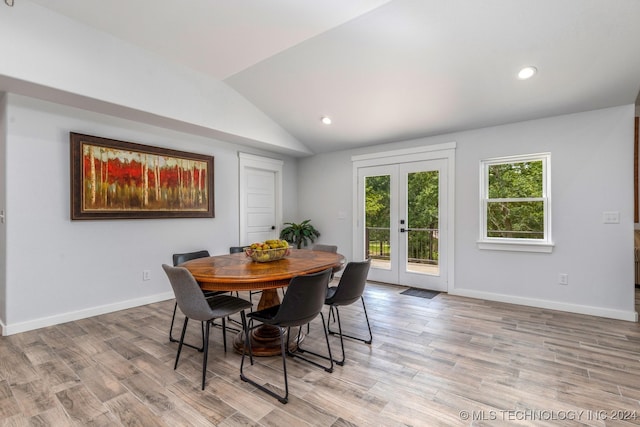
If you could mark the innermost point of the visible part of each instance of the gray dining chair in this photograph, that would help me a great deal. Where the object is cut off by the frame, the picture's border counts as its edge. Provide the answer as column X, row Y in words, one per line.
column 349, row 290
column 301, row 304
column 178, row 259
column 194, row 305
column 325, row 248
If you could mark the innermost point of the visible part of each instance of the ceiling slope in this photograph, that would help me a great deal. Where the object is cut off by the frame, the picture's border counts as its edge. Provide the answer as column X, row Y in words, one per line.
column 390, row 70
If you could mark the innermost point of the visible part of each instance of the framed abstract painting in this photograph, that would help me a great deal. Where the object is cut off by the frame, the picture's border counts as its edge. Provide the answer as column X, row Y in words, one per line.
column 113, row 179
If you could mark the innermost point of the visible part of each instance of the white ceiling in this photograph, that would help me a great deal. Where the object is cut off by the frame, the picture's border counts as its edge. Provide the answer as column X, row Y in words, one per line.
column 391, row 70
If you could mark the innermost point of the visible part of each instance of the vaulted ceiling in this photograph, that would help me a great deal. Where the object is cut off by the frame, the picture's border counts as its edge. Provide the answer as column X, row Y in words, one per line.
column 390, row 70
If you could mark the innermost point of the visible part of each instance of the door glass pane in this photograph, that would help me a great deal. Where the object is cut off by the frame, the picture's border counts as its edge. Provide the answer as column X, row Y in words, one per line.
column 422, row 222
column 378, row 220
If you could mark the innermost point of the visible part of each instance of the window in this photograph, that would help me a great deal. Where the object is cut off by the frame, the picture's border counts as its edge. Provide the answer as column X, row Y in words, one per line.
column 515, row 205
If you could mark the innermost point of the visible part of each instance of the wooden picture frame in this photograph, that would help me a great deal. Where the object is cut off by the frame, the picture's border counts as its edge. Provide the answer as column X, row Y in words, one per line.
column 113, row 179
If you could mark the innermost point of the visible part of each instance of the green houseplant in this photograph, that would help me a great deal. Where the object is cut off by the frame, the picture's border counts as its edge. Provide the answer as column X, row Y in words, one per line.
column 299, row 234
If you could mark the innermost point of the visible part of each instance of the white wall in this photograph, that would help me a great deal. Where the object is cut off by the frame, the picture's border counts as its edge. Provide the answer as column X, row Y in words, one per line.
column 57, row 269
column 592, row 172
column 325, row 197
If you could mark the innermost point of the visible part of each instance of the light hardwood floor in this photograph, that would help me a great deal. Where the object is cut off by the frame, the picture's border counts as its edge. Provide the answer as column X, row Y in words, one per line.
column 444, row 361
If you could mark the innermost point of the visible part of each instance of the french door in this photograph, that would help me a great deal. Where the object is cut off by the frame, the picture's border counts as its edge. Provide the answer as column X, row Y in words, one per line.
column 404, row 218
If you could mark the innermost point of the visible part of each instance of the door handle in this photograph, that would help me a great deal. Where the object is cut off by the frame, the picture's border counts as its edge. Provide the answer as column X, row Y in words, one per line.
column 273, row 227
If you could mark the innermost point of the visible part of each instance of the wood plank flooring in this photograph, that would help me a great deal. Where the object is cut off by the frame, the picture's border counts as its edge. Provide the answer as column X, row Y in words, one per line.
column 446, row 361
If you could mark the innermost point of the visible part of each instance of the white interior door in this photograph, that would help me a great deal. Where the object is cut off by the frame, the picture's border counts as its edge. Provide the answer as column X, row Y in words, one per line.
column 260, row 201
column 404, row 212
column 260, row 212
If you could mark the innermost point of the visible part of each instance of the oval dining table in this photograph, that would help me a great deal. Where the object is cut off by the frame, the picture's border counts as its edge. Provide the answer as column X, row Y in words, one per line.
column 237, row 272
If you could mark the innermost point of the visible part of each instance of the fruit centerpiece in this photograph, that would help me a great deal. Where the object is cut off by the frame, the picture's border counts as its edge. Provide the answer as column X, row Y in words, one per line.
column 269, row 250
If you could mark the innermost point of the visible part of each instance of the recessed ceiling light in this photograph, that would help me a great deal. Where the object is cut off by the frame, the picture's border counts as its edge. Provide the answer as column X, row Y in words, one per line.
column 527, row 73
column 326, row 120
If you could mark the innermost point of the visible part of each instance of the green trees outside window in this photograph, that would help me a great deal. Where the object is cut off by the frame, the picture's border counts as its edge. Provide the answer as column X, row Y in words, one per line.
column 377, row 215
column 516, row 198
column 422, row 216
column 515, row 207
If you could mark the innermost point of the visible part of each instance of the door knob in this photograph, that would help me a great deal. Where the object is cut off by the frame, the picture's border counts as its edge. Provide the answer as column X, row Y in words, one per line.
column 273, row 227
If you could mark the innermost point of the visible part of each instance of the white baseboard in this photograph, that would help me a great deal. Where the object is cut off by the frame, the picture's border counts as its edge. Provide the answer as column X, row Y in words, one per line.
column 43, row 322
column 631, row 316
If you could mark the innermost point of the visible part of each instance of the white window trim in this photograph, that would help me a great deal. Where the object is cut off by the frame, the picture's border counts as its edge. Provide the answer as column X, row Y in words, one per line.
column 517, row 245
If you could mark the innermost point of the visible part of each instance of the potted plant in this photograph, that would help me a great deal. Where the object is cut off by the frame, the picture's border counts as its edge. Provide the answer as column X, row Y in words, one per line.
column 299, row 234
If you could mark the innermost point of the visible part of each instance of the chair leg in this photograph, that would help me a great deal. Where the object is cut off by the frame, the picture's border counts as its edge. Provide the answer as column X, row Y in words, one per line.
column 326, row 338
column 328, row 318
column 337, row 316
column 173, row 319
column 366, row 341
column 283, row 350
column 202, row 327
column 281, row 399
column 184, row 329
column 247, row 344
column 224, row 334
column 205, row 354
column 368, row 324
column 172, row 339
column 243, row 317
column 301, row 350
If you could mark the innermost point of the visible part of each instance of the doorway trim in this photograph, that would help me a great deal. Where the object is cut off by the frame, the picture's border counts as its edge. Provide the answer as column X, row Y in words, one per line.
column 444, row 151
column 252, row 161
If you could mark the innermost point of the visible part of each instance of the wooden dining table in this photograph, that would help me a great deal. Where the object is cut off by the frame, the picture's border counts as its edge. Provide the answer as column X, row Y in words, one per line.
column 237, row 272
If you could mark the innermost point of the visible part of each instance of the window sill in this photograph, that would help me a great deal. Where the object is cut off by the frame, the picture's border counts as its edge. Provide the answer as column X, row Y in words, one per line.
column 515, row 246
